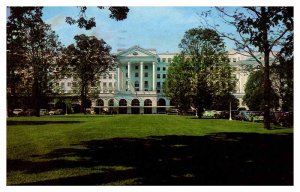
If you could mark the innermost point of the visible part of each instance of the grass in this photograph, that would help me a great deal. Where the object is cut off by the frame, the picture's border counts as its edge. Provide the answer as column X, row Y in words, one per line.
column 145, row 150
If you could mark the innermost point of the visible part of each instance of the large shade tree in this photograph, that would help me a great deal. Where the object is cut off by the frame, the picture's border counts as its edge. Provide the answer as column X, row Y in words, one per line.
column 86, row 61
column 205, row 63
column 32, row 48
column 268, row 30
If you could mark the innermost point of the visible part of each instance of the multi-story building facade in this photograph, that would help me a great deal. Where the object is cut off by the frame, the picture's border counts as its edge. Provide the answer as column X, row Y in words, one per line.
column 136, row 84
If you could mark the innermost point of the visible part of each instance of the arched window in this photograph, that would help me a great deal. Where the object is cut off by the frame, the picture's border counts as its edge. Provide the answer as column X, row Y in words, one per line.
column 148, row 102
column 135, row 102
column 111, row 102
column 100, row 102
column 122, row 102
column 161, row 102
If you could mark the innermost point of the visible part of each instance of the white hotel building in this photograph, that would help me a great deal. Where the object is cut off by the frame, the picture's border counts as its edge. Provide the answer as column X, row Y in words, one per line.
column 135, row 86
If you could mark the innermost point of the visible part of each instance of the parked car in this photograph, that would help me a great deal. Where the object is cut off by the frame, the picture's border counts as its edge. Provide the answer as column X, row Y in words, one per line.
column 18, row 112
column 190, row 112
column 30, row 112
column 253, row 116
column 173, row 111
column 44, row 112
column 210, row 114
column 282, row 118
column 56, row 112
column 243, row 116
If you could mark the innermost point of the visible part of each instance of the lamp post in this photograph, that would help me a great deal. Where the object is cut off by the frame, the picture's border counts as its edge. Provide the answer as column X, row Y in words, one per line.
column 230, row 111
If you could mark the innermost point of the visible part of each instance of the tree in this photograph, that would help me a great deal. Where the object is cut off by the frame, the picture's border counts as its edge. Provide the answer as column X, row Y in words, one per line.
column 117, row 13
column 86, row 61
column 282, row 81
column 254, row 92
column 202, row 70
column 31, row 48
column 177, row 86
column 262, row 29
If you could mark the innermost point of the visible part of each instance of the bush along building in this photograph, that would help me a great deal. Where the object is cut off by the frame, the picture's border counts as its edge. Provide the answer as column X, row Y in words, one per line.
column 135, row 85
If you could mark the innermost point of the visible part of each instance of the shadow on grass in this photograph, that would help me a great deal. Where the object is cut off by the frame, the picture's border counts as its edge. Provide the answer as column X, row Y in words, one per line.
column 39, row 122
column 217, row 159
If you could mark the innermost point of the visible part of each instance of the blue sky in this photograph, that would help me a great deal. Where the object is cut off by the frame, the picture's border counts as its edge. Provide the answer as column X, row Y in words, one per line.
column 149, row 27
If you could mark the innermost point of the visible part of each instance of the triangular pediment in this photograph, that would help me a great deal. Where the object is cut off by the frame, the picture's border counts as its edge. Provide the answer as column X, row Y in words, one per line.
column 136, row 51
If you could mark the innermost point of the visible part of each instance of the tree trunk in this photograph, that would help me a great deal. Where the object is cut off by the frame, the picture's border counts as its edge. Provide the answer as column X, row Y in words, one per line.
column 83, row 99
column 267, row 85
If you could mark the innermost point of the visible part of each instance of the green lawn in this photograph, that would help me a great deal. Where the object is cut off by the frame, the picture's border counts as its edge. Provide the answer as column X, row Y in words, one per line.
column 145, row 150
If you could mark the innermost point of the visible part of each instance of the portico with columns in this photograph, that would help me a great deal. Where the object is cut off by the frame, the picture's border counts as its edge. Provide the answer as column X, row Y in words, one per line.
column 136, row 78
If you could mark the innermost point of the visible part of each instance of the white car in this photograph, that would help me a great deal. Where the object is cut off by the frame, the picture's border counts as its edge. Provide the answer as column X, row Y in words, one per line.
column 18, row 112
column 44, row 112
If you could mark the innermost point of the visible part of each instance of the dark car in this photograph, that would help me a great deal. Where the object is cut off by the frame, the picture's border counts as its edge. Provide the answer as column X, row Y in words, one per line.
column 30, row 112
column 282, row 118
column 173, row 111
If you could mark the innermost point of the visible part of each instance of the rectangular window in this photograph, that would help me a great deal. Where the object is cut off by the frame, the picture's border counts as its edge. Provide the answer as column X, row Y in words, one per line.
column 164, row 60
column 104, row 84
column 164, row 76
column 126, row 74
column 146, row 89
column 62, row 84
column 158, row 84
column 136, row 75
column 104, row 76
column 136, row 67
column 158, row 90
column 69, row 84
column 169, row 60
column 126, row 67
column 146, row 67
column 110, row 84
column 158, row 76
column 158, row 69
column 146, row 74
column 164, row 68
column 110, row 76
column 158, row 59
column 146, row 84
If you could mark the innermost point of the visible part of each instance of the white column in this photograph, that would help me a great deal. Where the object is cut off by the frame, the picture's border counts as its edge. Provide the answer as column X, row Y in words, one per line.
column 128, row 67
column 118, row 68
column 141, row 76
column 153, row 76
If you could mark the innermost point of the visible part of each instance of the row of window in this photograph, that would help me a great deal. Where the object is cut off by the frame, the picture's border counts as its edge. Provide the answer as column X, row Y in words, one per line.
column 164, row 60
column 146, row 75
column 146, row 67
column 110, row 76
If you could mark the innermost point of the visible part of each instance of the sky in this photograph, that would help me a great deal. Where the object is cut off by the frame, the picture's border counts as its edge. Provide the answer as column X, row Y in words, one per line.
column 156, row 27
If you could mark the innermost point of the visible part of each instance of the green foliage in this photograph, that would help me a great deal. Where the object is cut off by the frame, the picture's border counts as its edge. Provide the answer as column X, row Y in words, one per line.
column 31, row 49
column 86, row 61
column 222, row 102
column 254, row 93
column 282, row 81
column 117, row 13
column 200, row 72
